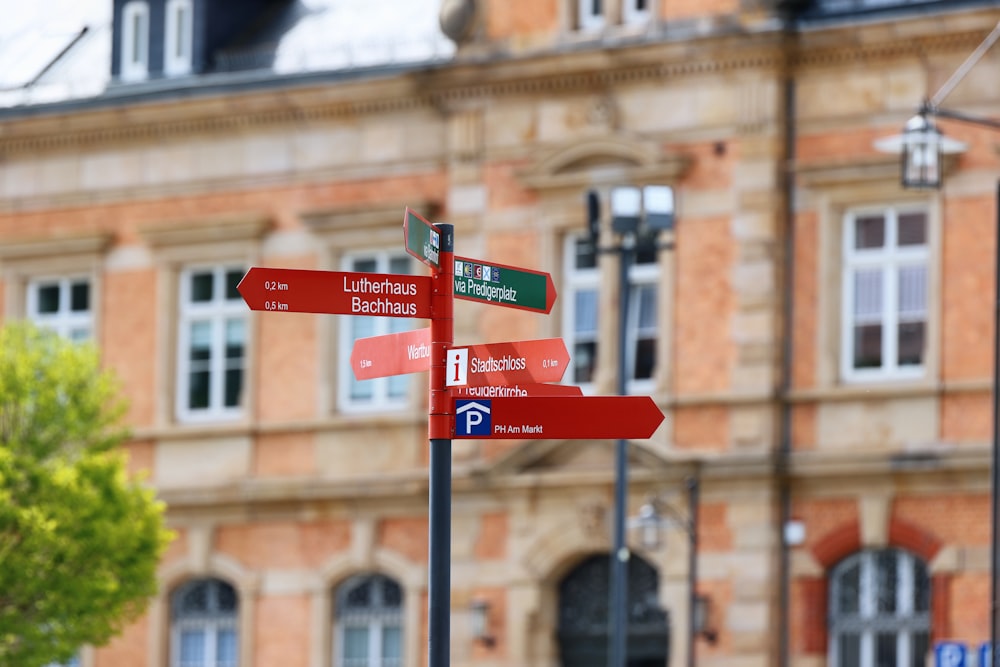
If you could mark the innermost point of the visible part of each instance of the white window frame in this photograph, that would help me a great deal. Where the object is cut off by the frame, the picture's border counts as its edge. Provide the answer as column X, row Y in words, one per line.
column 135, row 43
column 640, row 275
column 218, row 312
column 376, row 619
column 212, row 623
column 65, row 321
column 381, row 399
column 905, row 622
column 579, row 280
column 633, row 15
column 587, row 18
column 179, row 31
column 890, row 258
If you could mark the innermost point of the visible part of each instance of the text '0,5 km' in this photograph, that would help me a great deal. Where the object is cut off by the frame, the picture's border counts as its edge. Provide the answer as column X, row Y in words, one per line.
column 336, row 292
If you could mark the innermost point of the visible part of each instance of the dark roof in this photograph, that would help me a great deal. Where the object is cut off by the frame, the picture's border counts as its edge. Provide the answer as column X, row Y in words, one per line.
column 45, row 60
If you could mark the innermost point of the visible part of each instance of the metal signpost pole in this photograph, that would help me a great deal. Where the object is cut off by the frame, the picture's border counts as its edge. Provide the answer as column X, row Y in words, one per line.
column 620, row 556
column 439, row 432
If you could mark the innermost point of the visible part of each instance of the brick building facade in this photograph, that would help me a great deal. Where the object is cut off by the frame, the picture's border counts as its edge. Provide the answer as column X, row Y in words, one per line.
column 818, row 338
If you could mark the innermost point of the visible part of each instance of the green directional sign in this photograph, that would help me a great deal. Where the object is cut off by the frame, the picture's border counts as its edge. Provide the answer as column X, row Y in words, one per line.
column 503, row 285
column 422, row 239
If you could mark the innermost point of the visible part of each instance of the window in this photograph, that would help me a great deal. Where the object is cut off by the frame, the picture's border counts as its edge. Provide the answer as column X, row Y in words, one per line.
column 582, row 313
column 379, row 393
column 203, row 625
column 369, row 622
column 211, row 344
column 135, row 41
column 178, row 40
column 884, row 294
column 641, row 329
column 635, row 11
column 580, row 323
column 590, row 14
column 879, row 610
column 63, row 305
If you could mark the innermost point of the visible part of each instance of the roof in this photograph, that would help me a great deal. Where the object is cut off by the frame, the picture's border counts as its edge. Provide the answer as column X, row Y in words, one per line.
column 60, row 50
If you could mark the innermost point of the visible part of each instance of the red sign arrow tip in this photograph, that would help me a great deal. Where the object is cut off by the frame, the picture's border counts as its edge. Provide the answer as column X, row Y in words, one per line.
column 550, row 293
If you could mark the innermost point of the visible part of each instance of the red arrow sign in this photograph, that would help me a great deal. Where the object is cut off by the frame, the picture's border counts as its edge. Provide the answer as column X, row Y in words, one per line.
column 524, row 361
column 336, row 292
column 516, row 390
column 392, row 354
column 559, row 417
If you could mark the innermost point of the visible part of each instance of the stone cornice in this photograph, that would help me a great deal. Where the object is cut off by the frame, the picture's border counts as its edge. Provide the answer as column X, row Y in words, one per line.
column 839, row 47
column 335, row 220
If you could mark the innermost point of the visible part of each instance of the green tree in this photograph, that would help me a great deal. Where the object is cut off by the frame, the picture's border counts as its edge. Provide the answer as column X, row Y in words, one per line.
column 79, row 539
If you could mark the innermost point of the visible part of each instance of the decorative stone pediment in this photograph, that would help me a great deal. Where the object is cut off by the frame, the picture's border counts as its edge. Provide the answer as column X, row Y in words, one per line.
column 213, row 229
column 92, row 244
column 600, row 160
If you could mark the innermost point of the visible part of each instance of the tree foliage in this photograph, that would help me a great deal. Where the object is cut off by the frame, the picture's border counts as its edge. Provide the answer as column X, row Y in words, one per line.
column 79, row 539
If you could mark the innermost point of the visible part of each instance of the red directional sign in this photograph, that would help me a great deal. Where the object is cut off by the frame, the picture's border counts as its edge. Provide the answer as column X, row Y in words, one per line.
column 392, row 354
column 336, row 292
column 543, row 360
column 559, row 417
column 515, row 390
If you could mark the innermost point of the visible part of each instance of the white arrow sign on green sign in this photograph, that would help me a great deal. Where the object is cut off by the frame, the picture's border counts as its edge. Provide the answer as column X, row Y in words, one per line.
column 422, row 239
column 503, row 285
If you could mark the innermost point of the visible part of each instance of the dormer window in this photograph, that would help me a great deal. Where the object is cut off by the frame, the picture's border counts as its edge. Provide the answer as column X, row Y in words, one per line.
column 135, row 41
column 590, row 14
column 635, row 11
column 599, row 15
column 178, row 39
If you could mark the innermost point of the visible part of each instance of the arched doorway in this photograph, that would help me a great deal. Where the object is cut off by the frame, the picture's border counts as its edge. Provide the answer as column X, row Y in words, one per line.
column 583, row 615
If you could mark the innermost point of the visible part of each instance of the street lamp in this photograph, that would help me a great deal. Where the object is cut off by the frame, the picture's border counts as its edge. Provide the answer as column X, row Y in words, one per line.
column 922, row 147
column 654, row 517
column 637, row 216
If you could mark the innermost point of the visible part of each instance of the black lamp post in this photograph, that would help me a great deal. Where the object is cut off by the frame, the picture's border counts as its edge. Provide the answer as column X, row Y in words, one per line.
column 637, row 215
column 922, row 148
column 654, row 516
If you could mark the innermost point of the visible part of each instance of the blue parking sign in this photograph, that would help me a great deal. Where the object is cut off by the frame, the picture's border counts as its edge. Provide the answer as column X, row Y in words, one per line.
column 472, row 417
column 949, row 654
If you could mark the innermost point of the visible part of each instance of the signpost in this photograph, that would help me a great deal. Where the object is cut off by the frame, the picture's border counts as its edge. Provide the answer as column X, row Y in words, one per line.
column 336, row 292
column 543, row 360
column 497, row 390
column 503, row 285
column 422, row 239
column 392, row 354
column 557, row 417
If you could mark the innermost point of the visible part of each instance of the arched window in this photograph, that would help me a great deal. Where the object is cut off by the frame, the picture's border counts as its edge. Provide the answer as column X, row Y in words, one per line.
column 879, row 610
column 583, row 615
column 369, row 622
column 203, row 616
